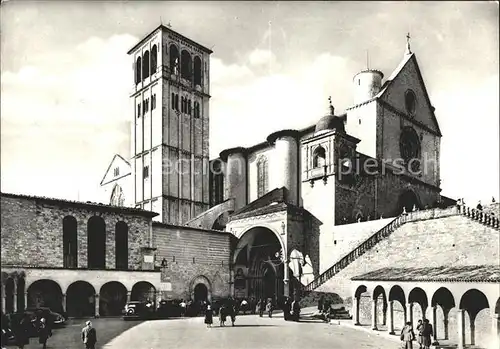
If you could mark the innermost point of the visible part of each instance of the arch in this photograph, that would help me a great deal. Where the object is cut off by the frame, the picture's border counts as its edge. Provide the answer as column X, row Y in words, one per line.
column 417, row 295
column 70, row 242
column 174, row 59
column 407, row 200
column 96, row 243
column 378, row 291
column 444, row 298
column 262, row 176
column 221, row 221
column 474, row 301
column 10, row 290
column 117, row 196
column 121, row 245
column 186, row 69
column 396, row 293
column 45, row 293
column 154, row 59
column 197, row 71
column 260, row 248
column 198, row 286
column 360, row 290
column 112, row 298
column 80, row 299
column 143, row 291
column 138, row 70
column 145, row 65
column 319, row 157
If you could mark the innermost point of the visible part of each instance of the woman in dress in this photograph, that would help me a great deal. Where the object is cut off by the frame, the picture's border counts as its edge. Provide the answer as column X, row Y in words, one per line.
column 209, row 316
column 223, row 315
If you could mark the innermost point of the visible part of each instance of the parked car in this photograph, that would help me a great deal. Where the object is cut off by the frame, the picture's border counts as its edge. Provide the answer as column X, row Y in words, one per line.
column 138, row 310
column 168, row 308
column 52, row 318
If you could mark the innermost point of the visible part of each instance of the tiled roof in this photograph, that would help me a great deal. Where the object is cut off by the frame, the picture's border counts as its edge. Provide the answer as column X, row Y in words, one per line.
column 88, row 205
column 469, row 273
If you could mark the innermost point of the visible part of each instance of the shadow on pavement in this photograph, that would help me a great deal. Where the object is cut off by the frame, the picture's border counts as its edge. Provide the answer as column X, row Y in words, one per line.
column 246, row 325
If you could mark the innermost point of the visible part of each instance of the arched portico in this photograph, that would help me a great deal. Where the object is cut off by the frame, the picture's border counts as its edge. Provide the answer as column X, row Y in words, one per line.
column 260, row 253
column 474, row 302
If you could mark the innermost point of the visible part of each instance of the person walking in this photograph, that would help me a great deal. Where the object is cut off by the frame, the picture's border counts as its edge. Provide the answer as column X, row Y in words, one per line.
column 260, row 307
column 407, row 336
column 44, row 332
column 269, row 308
column 89, row 336
column 208, row 316
column 427, row 332
column 420, row 327
column 183, row 307
column 21, row 331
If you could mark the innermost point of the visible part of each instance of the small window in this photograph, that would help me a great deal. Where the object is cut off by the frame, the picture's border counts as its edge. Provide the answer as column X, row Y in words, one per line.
column 177, row 102
column 189, row 106
column 153, row 102
column 359, row 121
column 359, row 82
column 116, row 171
column 173, row 100
column 145, row 172
column 319, row 157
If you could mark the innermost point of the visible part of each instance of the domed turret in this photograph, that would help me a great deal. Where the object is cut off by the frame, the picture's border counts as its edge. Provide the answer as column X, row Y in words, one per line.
column 330, row 121
column 367, row 84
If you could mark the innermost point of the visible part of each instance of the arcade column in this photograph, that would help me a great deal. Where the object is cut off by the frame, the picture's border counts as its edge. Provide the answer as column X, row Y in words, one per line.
column 96, row 303
column 390, row 312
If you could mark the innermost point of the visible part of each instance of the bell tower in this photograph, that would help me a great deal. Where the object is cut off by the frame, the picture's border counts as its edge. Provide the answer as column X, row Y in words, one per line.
column 170, row 98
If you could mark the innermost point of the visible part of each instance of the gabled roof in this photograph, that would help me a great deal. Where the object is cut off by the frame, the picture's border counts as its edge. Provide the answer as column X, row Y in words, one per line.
column 478, row 273
column 278, row 195
column 117, row 156
column 395, row 73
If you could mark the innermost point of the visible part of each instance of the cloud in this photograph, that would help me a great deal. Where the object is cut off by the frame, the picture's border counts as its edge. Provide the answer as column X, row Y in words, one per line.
column 62, row 121
column 260, row 57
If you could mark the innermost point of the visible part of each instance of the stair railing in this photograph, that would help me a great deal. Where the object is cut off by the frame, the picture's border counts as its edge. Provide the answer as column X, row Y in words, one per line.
column 479, row 216
column 357, row 252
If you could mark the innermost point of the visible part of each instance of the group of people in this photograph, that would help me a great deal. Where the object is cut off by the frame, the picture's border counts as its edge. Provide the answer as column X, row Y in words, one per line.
column 423, row 337
column 24, row 328
column 225, row 310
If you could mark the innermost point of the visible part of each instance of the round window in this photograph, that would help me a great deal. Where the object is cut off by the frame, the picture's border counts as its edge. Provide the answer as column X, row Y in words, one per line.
column 410, row 102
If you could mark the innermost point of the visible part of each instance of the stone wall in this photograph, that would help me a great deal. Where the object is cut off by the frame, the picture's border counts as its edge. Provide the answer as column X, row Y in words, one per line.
column 452, row 240
column 32, row 231
column 193, row 254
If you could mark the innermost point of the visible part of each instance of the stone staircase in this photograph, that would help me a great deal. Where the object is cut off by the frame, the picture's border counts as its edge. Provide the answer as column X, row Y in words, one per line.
column 482, row 217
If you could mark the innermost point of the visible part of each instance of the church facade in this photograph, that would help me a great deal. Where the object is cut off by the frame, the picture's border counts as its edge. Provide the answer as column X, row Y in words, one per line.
column 288, row 194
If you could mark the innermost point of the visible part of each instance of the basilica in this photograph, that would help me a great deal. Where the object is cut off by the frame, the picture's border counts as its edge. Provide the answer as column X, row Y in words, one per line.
column 350, row 206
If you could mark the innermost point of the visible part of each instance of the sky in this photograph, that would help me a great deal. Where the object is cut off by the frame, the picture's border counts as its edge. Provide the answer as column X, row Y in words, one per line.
column 66, row 79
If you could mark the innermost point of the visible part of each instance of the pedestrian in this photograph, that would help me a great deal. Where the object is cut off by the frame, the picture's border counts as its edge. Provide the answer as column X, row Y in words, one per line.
column 420, row 327
column 295, row 310
column 89, row 336
column 260, row 307
column 209, row 316
column 269, row 308
column 183, row 307
column 44, row 332
column 407, row 336
column 320, row 303
column 243, row 306
column 287, row 309
column 21, row 331
column 427, row 332
column 222, row 315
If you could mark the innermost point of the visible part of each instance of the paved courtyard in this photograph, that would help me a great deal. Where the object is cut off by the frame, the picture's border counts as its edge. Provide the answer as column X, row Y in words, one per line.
column 250, row 332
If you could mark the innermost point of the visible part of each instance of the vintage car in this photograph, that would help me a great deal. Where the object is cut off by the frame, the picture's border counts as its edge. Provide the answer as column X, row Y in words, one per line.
column 138, row 310
column 168, row 308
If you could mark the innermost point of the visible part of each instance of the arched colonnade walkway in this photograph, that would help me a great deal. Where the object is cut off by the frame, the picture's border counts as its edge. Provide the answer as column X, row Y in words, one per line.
column 462, row 304
column 77, row 293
